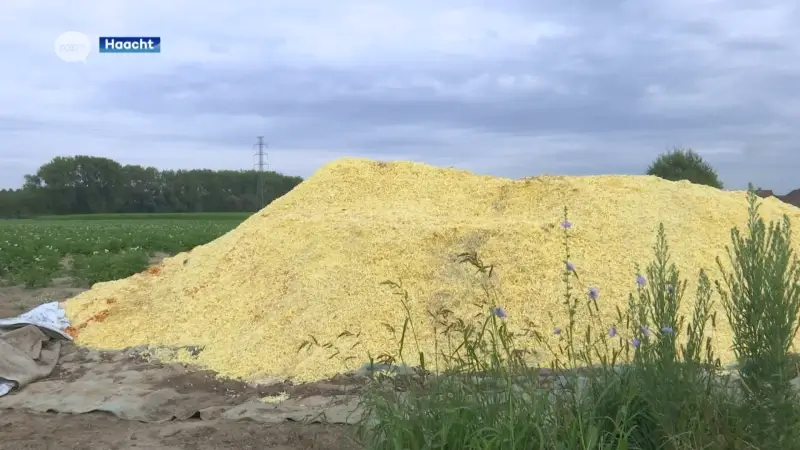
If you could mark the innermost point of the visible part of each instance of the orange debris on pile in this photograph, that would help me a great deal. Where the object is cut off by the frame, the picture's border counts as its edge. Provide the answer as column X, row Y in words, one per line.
column 312, row 262
column 99, row 316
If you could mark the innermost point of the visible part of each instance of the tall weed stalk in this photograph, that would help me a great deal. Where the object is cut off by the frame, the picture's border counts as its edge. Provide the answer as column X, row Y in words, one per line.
column 761, row 296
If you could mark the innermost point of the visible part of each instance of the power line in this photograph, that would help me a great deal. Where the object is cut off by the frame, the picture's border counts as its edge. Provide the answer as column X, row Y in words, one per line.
column 260, row 145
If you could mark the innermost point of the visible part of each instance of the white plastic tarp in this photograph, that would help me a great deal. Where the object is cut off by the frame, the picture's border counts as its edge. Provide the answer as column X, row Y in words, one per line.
column 49, row 317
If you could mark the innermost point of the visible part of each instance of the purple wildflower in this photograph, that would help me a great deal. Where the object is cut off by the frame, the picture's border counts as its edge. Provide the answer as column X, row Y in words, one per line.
column 640, row 280
column 646, row 331
column 557, row 331
column 570, row 266
column 667, row 330
column 593, row 293
column 612, row 332
column 636, row 343
column 566, row 224
column 499, row 312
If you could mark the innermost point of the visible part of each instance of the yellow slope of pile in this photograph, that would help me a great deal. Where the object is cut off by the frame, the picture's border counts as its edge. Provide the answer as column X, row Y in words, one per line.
column 311, row 263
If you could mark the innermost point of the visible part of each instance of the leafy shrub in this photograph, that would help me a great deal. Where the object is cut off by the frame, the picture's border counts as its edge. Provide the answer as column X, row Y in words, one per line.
column 684, row 164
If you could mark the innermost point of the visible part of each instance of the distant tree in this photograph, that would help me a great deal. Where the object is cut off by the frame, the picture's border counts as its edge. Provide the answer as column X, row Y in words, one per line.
column 684, row 164
column 88, row 184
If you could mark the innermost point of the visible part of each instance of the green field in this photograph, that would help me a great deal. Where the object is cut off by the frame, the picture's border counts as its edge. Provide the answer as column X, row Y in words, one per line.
column 102, row 247
column 238, row 216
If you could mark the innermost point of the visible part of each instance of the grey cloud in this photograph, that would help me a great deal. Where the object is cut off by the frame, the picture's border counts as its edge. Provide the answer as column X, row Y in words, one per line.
column 604, row 102
column 755, row 46
column 625, row 82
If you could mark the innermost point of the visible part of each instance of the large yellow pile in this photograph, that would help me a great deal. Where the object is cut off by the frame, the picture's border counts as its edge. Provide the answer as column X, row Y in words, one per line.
column 311, row 263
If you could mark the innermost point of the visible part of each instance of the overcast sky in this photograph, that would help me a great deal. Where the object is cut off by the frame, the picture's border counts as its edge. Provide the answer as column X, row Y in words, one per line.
column 504, row 87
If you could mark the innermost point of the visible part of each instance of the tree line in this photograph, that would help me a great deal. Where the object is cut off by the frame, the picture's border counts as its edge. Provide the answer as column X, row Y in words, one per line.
column 89, row 184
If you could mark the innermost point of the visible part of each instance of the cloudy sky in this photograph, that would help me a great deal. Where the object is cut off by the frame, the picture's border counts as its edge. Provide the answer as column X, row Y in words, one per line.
column 507, row 87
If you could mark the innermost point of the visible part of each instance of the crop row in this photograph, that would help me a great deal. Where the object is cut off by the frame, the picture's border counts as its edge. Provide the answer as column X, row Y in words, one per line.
column 36, row 252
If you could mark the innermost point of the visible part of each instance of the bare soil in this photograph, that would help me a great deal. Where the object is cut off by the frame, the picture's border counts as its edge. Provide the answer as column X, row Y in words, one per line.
column 15, row 300
column 27, row 430
column 20, row 430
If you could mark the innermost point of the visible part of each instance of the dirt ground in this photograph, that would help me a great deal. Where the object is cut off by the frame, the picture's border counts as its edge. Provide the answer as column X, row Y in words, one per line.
column 29, row 429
